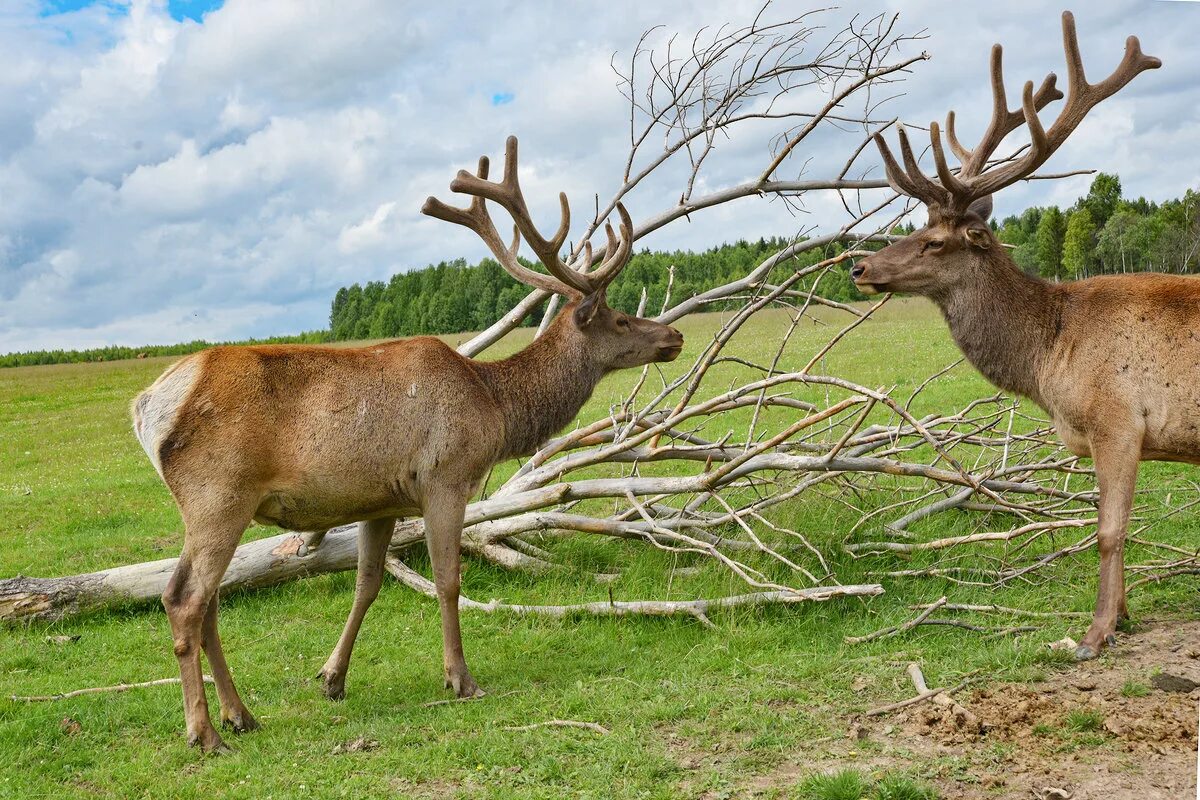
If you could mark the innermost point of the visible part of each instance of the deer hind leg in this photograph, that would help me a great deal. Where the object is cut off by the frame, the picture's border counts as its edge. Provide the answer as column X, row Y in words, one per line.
column 209, row 543
column 373, row 539
column 444, row 512
column 1116, row 472
column 234, row 713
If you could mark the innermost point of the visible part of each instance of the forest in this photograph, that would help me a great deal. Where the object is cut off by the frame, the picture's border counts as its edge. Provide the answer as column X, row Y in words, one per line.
column 1105, row 234
column 1102, row 233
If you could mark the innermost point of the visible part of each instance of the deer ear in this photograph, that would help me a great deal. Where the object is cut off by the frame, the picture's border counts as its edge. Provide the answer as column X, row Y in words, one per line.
column 978, row 236
column 982, row 208
column 585, row 312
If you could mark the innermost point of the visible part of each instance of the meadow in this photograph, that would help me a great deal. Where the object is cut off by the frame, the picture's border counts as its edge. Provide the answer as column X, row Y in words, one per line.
column 691, row 711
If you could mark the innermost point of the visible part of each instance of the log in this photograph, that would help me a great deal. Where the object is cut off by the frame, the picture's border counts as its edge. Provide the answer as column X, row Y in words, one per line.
column 263, row 562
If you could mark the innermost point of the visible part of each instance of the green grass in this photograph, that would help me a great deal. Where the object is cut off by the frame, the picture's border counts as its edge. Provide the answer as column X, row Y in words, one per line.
column 1083, row 720
column 892, row 787
column 850, row 784
column 690, row 709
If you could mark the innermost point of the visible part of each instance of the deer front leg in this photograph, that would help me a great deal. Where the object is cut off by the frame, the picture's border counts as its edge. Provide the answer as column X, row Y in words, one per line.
column 1116, row 472
column 443, row 534
column 373, row 539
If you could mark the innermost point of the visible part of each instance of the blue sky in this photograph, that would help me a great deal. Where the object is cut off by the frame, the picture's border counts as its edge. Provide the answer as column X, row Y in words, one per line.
column 180, row 170
column 178, row 9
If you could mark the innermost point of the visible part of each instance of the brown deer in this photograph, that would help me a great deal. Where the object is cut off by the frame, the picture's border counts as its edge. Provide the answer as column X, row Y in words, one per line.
column 1111, row 358
column 311, row 437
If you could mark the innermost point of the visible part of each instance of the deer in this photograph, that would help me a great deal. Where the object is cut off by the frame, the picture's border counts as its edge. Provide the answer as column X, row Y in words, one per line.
column 309, row 437
column 1110, row 358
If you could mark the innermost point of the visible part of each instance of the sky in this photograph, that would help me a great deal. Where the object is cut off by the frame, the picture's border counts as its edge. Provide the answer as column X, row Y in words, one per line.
column 205, row 169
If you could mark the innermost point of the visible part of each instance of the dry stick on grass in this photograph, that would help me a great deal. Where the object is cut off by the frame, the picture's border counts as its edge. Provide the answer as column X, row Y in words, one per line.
column 562, row 723
column 875, row 712
column 120, row 687
column 1016, row 612
column 962, row 717
column 923, row 693
column 617, row 608
column 842, row 333
column 991, row 633
column 896, row 629
column 472, row 698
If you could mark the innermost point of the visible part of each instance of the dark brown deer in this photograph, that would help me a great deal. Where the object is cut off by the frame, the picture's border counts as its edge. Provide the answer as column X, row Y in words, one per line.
column 1113, row 359
column 311, row 437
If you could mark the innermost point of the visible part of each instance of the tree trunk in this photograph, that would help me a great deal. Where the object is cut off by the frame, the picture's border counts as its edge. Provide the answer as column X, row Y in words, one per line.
column 264, row 562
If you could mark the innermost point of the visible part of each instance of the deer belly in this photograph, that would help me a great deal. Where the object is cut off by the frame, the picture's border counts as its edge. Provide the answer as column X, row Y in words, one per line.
column 318, row 511
column 1173, row 431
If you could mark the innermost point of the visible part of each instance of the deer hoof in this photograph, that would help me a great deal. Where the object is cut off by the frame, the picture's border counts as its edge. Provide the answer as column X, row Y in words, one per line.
column 210, row 743
column 1085, row 652
column 335, row 684
column 465, row 687
column 240, row 723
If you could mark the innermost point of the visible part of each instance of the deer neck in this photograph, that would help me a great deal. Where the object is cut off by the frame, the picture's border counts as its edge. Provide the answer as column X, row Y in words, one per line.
column 1005, row 323
column 541, row 389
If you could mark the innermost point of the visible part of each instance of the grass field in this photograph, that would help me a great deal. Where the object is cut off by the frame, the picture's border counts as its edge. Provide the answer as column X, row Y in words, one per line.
column 692, row 712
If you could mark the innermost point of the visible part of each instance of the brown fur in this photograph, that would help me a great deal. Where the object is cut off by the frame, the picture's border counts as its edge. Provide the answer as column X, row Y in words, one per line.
column 312, row 437
column 1113, row 360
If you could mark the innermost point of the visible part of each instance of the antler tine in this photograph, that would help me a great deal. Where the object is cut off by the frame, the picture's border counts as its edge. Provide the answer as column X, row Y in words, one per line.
column 587, row 254
column 617, row 254
column 1004, row 121
column 1084, row 95
column 905, row 182
column 1081, row 97
column 507, row 193
column 516, row 205
column 913, row 168
column 476, row 218
column 961, row 153
column 1047, row 93
column 467, row 217
column 948, row 178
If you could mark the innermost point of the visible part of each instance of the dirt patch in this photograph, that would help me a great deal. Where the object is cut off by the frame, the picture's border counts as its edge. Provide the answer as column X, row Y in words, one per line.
column 1102, row 729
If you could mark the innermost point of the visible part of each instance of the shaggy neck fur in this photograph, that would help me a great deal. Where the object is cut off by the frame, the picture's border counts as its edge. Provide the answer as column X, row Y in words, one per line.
column 542, row 388
column 1005, row 322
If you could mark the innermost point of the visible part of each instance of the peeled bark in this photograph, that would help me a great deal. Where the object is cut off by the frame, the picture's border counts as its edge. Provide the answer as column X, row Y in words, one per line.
column 264, row 562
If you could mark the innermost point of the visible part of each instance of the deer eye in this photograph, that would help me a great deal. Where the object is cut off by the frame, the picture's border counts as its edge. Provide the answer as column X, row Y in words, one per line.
column 933, row 244
column 623, row 322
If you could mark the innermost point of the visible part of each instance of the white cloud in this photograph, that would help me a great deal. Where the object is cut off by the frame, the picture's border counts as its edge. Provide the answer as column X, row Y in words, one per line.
column 371, row 232
column 165, row 180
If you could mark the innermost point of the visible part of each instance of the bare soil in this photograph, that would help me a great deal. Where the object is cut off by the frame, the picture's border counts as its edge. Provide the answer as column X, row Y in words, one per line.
column 1100, row 729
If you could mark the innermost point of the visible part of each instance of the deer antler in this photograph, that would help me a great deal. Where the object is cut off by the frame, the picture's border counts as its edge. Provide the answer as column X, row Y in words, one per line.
column 507, row 193
column 955, row 193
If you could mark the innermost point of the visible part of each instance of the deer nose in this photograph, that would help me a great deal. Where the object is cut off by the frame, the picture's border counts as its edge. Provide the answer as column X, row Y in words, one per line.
column 858, row 269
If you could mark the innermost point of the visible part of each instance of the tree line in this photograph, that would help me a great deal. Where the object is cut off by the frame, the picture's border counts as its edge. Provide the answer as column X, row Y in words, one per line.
column 34, row 358
column 455, row 296
column 1105, row 234
column 1102, row 233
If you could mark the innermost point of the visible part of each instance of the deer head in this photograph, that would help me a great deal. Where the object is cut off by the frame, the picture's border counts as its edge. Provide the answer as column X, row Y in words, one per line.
column 956, row 241
column 612, row 338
